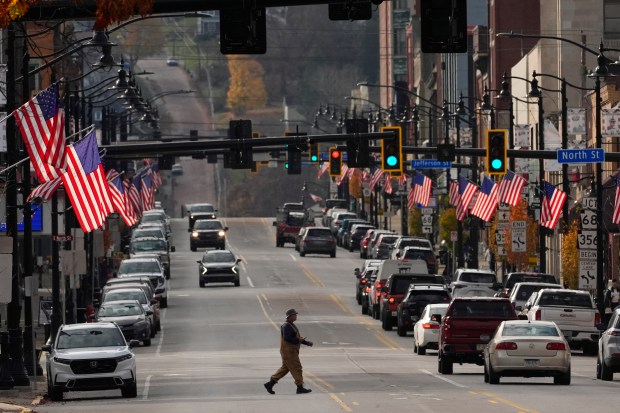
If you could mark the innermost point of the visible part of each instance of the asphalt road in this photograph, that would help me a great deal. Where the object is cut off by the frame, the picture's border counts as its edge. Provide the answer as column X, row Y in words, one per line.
column 220, row 344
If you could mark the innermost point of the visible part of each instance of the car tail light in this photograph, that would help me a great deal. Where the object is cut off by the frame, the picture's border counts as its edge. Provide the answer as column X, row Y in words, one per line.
column 363, row 281
column 614, row 332
column 556, row 346
column 158, row 298
column 507, row 345
column 367, row 290
column 431, row 326
column 378, row 293
column 391, row 300
column 447, row 332
column 597, row 319
column 538, row 315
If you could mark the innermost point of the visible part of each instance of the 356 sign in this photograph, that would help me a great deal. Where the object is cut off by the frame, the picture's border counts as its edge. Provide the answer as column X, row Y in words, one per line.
column 586, row 240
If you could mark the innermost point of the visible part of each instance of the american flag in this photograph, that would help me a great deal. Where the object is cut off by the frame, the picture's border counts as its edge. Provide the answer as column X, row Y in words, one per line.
column 343, row 174
column 402, row 181
column 147, row 193
column 117, row 192
column 365, row 175
column 510, row 188
column 315, row 198
column 454, row 193
column 324, row 167
column 42, row 125
column 375, row 179
column 422, row 189
column 487, row 201
column 387, row 188
column 132, row 195
column 156, row 175
column 86, row 185
column 411, row 198
column 351, row 172
column 616, row 215
column 467, row 190
column 45, row 190
column 552, row 203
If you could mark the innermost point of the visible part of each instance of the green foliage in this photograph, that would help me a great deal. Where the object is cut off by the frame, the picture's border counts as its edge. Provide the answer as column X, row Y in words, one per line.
column 447, row 224
column 415, row 222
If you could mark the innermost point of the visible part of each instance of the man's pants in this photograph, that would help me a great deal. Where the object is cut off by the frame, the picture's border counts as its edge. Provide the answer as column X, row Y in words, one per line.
column 290, row 363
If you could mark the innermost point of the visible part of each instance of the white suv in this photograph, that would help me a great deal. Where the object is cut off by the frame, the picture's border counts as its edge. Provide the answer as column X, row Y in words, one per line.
column 147, row 267
column 90, row 356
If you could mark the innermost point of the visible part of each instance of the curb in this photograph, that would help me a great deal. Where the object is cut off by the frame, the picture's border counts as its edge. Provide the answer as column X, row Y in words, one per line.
column 14, row 408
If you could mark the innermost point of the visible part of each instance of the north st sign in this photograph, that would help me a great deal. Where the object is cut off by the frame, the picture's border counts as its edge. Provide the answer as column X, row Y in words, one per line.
column 581, row 155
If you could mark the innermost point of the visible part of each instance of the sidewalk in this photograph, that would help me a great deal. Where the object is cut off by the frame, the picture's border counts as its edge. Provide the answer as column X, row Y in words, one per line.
column 23, row 399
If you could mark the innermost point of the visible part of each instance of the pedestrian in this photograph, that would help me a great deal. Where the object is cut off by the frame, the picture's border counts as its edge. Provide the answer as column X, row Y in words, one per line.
column 290, row 343
column 612, row 298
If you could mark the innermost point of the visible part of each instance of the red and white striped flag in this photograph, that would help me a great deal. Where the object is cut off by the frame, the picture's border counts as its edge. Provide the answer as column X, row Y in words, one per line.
column 365, row 175
column 324, row 167
column 510, row 187
column 42, row 125
column 45, row 190
column 616, row 215
column 117, row 193
column 133, row 195
column 315, row 198
column 411, row 199
column 147, row 193
column 375, row 179
column 402, row 181
column 344, row 173
column 454, row 193
column 86, row 185
column 467, row 190
column 387, row 187
column 487, row 200
column 552, row 203
column 422, row 189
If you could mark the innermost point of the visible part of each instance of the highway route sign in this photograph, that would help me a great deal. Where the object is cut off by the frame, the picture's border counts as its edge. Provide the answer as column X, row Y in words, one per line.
column 588, row 219
column 586, row 240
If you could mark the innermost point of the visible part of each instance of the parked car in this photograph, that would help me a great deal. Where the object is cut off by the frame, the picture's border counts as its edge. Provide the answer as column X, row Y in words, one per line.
column 420, row 253
column 217, row 267
column 522, row 348
column 361, row 278
column 90, row 356
column 533, row 277
column 137, row 294
column 426, row 329
column 318, row 240
column 208, row 233
column 407, row 241
column 417, row 298
column 522, row 291
column 608, row 359
column 354, row 237
column 345, row 226
column 131, row 317
column 383, row 245
column 151, row 246
column 469, row 277
column 368, row 241
column 143, row 283
column 147, row 267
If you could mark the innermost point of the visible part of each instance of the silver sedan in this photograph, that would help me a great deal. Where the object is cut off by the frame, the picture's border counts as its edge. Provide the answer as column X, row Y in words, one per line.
column 522, row 348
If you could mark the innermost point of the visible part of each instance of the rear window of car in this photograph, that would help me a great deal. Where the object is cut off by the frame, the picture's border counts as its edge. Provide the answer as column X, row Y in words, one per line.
column 429, row 297
column 295, row 220
column 418, row 254
column 400, row 284
column 477, row 277
column 389, row 240
column 514, row 278
column 525, row 291
column 361, row 230
column 319, row 233
column 471, row 308
column 336, row 203
column 562, row 299
column 132, row 267
column 413, row 243
column 530, row 330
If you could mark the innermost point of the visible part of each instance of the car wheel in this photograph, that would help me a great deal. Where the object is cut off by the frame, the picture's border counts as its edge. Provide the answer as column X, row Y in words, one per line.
column 201, row 283
column 486, row 373
column 493, row 376
column 421, row 350
column 603, row 371
column 131, row 391
column 563, row 379
column 56, row 394
column 401, row 330
column 364, row 309
column 147, row 343
column 237, row 283
column 333, row 254
column 444, row 366
column 152, row 332
column 164, row 302
column 386, row 323
column 375, row 311
column 350, row 249
column 302, row 253
column 415, row 346
column 193, row 248
column 158, row 325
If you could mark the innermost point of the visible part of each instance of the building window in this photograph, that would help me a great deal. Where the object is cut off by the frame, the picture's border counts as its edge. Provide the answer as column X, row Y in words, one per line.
column 612, row 18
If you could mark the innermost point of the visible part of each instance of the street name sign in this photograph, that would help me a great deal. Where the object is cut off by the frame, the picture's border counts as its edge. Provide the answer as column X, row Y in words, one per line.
column 581, row 155
column 430, row 164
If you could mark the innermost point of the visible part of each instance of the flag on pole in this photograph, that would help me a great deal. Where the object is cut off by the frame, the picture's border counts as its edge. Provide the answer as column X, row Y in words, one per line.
column 343, row 174
column 616, row 214
column 467, row 190
column 132, row 198
column 315, row 198
column 86, row 185
column 510, row 188
column 487, row 200
column 552, row 203
column 387, row 188
column 117, row 193
column 45, row 190
column 42, row 125
column 323, row 169
column 422, row 189
column 454, row 193
column 365, row 175
column 157, row 181
column 147, row 194
column 402, row 181
column 411, row 198
column 375, row 179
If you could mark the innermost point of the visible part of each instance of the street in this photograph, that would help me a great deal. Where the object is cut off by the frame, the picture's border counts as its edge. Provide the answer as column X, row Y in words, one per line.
column 219, row 344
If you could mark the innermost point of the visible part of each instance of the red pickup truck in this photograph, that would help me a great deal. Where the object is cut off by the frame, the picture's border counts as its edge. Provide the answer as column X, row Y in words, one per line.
column 467, row 327
column 288, row 224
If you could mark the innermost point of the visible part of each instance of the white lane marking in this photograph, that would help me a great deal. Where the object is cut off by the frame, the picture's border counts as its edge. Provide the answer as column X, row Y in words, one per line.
column 293, row 257
column 161, row 333
column 250, row 283
column 437, row 376
column 147, row 384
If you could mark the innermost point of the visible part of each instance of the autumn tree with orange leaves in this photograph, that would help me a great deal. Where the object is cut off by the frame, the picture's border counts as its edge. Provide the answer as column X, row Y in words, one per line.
column 247, row 87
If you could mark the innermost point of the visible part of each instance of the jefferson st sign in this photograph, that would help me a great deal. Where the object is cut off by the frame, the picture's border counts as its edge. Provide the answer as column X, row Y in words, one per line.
column 581, row 155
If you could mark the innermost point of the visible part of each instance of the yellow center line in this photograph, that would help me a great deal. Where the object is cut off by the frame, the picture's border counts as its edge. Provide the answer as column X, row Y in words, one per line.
column 320, row 380
column 341, row 304
column 382, row 338
column 313, row 278
column 497, row 399
column 262, row 306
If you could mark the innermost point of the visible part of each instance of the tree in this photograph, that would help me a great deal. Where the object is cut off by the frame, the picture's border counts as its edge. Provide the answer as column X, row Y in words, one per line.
column 521, row 259
column 415, row 222
column 140, row 40
column 247, row 88
column 447, row 224
column 570, row 256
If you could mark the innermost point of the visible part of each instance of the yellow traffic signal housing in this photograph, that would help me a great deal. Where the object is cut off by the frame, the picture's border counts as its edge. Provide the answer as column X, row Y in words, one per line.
column 335, row 161
column 313, row 152
column 497, row 152
column 392, row 150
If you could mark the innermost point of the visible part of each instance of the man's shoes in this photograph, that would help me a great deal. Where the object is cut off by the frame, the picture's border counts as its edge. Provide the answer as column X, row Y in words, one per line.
column 302, row 390
column 269, row 386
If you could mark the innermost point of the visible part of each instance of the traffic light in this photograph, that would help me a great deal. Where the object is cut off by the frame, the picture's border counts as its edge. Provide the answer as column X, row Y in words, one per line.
column 335, row 162
column 496, row 152
column 313, row 153
column 392, row 150
column 293, row 160
column 358, row 150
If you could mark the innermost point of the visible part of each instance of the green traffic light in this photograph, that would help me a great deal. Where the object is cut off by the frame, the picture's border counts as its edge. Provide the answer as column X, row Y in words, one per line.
column 286, row 165
column 496, row 164
column 314, row 158
column 392, row 160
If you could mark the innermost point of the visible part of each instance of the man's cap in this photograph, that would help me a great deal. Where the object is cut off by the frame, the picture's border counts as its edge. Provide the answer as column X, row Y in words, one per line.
column 291, row 312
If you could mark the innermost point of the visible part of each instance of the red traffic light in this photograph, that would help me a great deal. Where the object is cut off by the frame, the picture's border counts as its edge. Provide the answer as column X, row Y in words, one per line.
column 335, row 154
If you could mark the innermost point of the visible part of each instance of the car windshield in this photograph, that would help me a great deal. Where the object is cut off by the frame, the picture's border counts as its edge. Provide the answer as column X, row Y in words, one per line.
column 142, row 245
column 219, row 256
column 133, row 267
column 208, row 224
column 476, row 277
column 90, row 337
column 202, row 208
column 120, row 310
column 530, row 330
column 144, row 232
column 126, row 295
column 389, row 240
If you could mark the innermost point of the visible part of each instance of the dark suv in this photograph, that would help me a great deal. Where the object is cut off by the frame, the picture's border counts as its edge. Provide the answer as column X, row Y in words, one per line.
column 519, row 277
column 208, row 233
column 418, row 296
column 421, row 253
